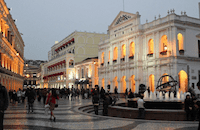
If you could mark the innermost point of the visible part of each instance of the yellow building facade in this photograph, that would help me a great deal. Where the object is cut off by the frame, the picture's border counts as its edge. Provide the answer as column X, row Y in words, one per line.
column 11, row 51
column 60, row 70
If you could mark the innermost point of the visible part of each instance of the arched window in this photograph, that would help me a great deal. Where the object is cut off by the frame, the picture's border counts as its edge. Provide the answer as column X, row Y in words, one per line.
column 108, row 56
column 115, row 82
column 180, row 42
column 132, row 81
column 102, row 57
column 115, row 53
column 103, row 83
column 151, row 46
column 123, row 53
column 132, row 49
column 183, row 81
column 151, row 83
column 123, row 84
column 164, row 45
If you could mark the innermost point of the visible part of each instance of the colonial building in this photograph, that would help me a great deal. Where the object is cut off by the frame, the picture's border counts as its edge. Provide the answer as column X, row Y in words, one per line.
column 59, row 71
column 11, row 51
column 32, row 73
column 87, row 73
column 136, row 53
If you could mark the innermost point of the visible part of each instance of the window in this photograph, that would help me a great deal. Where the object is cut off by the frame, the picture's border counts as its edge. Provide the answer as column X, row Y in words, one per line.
column 180, row 42
column 132, row 49
column 151, row 46
column 102, row 57
column 123, row 51
column 164, row 43
column 115, row 53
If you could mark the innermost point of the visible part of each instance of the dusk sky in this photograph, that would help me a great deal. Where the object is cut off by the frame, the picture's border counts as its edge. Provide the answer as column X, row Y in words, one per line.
column 42, row 22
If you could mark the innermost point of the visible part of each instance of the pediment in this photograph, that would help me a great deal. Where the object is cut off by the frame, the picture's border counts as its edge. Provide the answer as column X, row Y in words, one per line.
column 122, row 17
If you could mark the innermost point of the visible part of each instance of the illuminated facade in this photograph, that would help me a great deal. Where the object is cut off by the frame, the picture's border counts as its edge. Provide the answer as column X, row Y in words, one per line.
column 136, row 53
column 86, row 73
column 60, row 70
column 32, row 73
column 11, row 51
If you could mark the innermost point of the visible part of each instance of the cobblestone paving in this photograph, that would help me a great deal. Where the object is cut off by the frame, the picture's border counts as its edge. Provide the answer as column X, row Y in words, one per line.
column 68, row 117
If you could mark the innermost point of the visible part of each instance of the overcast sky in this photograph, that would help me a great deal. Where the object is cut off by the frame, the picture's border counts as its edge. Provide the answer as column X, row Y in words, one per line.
column 42, row 22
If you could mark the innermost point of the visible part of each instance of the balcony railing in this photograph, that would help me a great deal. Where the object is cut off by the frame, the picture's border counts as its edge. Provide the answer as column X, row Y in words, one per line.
column 122, row 59
column 181, row 52
column 163, row 52
column 131, row 57
column 150, row 55
column 114, row 61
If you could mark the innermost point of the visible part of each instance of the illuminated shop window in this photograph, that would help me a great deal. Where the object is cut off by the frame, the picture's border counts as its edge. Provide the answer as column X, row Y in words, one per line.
column 132, row 81
column 151, row 83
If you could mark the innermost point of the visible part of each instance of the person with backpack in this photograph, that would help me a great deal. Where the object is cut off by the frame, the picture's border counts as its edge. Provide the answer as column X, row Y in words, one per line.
column 3, row 104
column 51, row 100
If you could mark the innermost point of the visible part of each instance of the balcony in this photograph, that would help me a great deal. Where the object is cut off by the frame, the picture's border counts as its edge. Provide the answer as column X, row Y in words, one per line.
column 114, row 61
column 150, row 55
column 181, row 52
column 163, row 52
column 123, row 59
column 131, row 57
column 102, row 64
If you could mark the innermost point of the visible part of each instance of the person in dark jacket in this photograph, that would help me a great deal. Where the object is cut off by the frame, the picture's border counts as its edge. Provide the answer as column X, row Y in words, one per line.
column 102, row 93
column 188, row 107
column 95, row 100
column 106, row 102
column 3, row 104
column 31, row 98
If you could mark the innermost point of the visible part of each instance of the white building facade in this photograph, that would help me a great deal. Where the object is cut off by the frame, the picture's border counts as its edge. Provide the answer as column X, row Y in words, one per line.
column 136, row 53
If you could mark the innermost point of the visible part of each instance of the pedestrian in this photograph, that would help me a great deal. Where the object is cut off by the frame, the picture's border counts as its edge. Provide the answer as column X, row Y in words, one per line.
column 3, row 104
column 14, row 96
column 102, row 93
column 106, row 103
column 194, row 109
column 19, row 94
column 44, row 95
column 10, row 94
column 51, row 100
column 116, row 92
column 95, row 100
column 188, row 107
column 23, row 95
column 31, row 98
column 197, row 105
column 126, row 93
column 141, row 107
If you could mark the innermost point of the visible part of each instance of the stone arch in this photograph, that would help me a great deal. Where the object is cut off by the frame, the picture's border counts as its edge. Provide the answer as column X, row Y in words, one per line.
column 151, row 83
column 115, row 53
column 80, row 50
column 132, row 83
column 123, row 84
column 123, row 51
column 103, row 83
column 90, row 40
column 81, row 39
column 115, row 82
column 183, row 81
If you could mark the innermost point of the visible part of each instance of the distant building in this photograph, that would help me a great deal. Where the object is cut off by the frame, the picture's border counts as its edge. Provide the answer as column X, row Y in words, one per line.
column 32, row 73
column 136, row 53
column 11, row 51
column 59, row 71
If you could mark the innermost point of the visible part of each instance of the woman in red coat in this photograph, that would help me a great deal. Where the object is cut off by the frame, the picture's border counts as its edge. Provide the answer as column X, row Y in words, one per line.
column 51, row 100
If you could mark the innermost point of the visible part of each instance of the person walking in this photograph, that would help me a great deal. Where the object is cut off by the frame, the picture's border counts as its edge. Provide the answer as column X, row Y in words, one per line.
column 102, row 93
column 116, row 92
column 51, row 100
column 23, row 95
column 141, row 107
column 44, row 95
column 106, row 102
column 3, row 104
column 126, row 93
column 31, row 98
column 19, row 94
column 95, row 100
